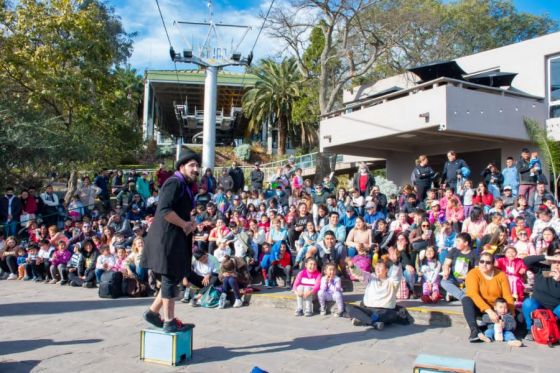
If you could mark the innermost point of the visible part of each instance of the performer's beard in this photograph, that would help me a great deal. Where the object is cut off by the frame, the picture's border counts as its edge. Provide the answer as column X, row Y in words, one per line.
column 193, row 179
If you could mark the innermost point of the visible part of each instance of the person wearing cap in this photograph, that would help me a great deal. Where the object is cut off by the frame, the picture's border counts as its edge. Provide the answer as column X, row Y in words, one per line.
column 348, row 220
column 168, row 246
column 526, row 180
column 546, row 291
column 450, row 170
column 371, row 215
column 257, row 178
column 203, row 196
column 238, row 206
column 237, row 176
column 507, row 196
column 539, row 196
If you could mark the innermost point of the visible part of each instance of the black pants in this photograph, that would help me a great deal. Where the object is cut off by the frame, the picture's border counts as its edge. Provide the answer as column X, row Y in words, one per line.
column 471, row 312
column 34, row 270
column 369, row 315
column 74, row 277
column 9, row 264
column 276, row 270
column 196, row 280
column 421, row 191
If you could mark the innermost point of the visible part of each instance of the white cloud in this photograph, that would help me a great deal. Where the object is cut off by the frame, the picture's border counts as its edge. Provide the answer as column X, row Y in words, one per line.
column 151, row 48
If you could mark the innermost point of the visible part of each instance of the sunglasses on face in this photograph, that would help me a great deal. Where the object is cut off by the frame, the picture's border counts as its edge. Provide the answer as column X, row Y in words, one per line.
column 425, row 226
column 488, row 262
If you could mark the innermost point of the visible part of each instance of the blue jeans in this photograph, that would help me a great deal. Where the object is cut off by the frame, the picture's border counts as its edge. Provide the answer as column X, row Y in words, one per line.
column 10, row 228
column 410, row 279
column 508, row 335
column 530, row 305
column 98, row 273
column 140, row 272
column 451, row 286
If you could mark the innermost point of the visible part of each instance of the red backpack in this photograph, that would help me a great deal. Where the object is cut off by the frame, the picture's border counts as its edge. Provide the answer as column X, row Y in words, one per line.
column 545, row 327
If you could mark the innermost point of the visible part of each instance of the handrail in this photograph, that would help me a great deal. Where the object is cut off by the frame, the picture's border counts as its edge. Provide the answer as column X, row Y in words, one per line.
column 404, row 92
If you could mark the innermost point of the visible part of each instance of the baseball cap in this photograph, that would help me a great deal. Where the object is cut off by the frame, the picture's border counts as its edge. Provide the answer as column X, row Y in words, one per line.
column 507, row 187
column 370, row 205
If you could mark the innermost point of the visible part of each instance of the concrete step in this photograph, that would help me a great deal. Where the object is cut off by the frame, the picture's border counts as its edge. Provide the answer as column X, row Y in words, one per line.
column 440, row 315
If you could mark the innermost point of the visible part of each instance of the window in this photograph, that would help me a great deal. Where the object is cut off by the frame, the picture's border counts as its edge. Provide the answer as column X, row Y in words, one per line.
column 554, row 86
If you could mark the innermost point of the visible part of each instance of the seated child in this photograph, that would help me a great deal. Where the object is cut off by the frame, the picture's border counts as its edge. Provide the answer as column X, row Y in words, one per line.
column 228, row 274
column 430, row 268
column 58, row 263
column 503, row 329
column 222, row 250
column 362, row 261
column 515, row 269
column 330, row 290
column 305, row 287
column 43, row 260
column 120, row 260
column 30, row 267
column 524, row 246
column 21, row 260
column 105, row 262
column 307, row 238
column 74, row 263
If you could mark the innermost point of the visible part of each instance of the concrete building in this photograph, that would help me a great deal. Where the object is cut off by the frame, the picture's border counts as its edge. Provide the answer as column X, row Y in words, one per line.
column 475, row 105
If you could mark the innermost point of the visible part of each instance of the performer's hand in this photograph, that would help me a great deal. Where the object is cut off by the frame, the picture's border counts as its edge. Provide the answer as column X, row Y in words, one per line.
column 188, row 227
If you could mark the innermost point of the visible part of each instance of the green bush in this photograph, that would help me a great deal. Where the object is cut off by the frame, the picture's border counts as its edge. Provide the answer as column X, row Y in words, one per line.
column 243, row 152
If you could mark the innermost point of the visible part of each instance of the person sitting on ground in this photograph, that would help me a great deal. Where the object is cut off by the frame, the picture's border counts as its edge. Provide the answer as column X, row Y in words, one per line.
column 330, row 290
column 306, row 239
column 105, row 262
column 30, row 267
column 86, row 272
column 21, row 259
column 546, row 293
column 74, row 263
column 359, row 238
column 132, row 263
column 223, row 250
column 459, row 261
column 281, row 264
column 58, row 263
column 503, row 329
column 205, row 269
column 430, row 267
column 228, row 277
column 484, row 284
column 306, row 285
column 515, row 270
column 379, row 305
column 120, row 260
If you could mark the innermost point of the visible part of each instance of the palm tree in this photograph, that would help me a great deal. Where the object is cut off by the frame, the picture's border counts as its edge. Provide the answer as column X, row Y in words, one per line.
column 273, row 97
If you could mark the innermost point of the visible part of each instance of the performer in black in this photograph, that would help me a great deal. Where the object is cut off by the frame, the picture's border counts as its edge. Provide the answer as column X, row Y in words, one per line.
column 168, row 245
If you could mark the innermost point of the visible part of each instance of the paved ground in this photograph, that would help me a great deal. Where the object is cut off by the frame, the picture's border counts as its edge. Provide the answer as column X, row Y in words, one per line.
column 48, row 328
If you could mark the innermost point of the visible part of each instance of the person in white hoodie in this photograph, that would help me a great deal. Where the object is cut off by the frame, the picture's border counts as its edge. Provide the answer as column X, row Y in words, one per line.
column 379, row 306
column 105, row 262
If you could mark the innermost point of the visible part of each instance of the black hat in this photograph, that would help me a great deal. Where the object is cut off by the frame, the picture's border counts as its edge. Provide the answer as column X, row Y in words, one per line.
column 187, row 155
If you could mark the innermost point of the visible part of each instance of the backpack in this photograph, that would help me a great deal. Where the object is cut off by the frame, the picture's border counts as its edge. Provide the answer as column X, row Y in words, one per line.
column 210, row 298
column 110, row 285
column 545, row 327
column 134, row 288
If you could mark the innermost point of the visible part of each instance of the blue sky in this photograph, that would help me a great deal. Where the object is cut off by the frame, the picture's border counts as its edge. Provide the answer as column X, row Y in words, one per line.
column 151, row 49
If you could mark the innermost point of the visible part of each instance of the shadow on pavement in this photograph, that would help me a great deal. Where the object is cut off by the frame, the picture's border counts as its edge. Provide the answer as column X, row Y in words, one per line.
column 24, row 345
column 309, row 343
column 49, row 308
column 25, row 366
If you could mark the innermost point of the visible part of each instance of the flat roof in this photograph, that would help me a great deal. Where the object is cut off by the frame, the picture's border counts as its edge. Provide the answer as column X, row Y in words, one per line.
column 225, row 78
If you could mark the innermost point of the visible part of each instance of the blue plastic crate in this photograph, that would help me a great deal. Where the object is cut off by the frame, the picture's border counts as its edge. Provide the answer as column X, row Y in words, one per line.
column 442, row 364
column 159, row 347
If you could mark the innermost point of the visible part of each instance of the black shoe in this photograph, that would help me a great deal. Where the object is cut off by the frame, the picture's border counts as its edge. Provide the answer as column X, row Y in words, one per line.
column 153, row 318
column 474, row 337
column 175, row 326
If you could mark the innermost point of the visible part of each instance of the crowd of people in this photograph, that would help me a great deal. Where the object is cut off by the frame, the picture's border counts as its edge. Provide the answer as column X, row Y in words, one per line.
column 492, row 246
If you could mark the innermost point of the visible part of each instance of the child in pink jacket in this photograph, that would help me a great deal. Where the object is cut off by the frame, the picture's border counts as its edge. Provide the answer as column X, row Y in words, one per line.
column 306, row 285
column 514, row 268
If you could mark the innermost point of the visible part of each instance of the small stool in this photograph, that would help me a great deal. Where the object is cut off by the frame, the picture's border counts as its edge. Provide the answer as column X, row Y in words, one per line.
column 157, row 346
column 442, row 364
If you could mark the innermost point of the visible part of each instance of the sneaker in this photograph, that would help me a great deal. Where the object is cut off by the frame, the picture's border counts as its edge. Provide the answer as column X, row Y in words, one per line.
column 323, row 312
column 474, row 337
column 175, row 326
column 298, row 312
column 53, row 281
column 222, row 301
column 529, row 337
column 308, row 314
column 338, row 314
column 89, row 285
column 194, row 303
column 12, row 276
column 153, row 318
column 379, row 325
column 357, row 322
column 187, row 297
column 63, row 282
column 26, row 278
column 4, row 276
column 515, row 343
column 484, row 338
column 238, row 303
column 267, row 284
column 288, row 285
column 448, row 298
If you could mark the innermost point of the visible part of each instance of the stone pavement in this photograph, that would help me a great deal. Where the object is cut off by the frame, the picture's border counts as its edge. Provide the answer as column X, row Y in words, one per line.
column 49, row 328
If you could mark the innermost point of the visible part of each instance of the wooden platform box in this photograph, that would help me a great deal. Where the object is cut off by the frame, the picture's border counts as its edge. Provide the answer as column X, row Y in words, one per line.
column 159, row 347
column 442, row 364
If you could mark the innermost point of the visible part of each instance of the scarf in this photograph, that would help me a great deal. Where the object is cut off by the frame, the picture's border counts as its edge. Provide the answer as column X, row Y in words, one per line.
column 185, row 188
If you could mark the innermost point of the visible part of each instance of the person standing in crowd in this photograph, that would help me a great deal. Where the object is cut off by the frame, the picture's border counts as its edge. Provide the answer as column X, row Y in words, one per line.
column 162, row 175
column 168, row 246
column 363, row 180
column 50, row 204
column 257, row 178
column 423, row 176
column 143, row 186
column 209, row 181
column 493, row 179
column 451, row 168
column 10, row 212
column 237, row 176
column 117, row 183
column 511, row 176
column 225, row 181
column 527, row 180
column 102, row 182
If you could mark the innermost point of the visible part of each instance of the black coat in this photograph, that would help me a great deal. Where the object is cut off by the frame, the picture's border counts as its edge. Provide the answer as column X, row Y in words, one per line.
column 424, row 175
column 167, row 250
column 16, row 208
column 238, row 178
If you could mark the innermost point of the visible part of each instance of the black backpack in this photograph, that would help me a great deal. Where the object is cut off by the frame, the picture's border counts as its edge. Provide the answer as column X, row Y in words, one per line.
column 110, row 285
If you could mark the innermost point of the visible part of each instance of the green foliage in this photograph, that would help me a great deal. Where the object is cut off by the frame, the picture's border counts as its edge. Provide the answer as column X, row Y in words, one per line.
column 243, row 152
column 61, row 62
column 273, row 97
column 550, row 149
